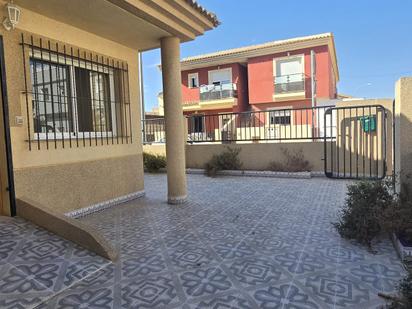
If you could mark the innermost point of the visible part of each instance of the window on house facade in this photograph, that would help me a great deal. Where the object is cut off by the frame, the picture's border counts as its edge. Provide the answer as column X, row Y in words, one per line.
column 197, row 123
column 279, row 117
column 220, row 77
column 289, row 74
column 83, row 98
column 193, row 80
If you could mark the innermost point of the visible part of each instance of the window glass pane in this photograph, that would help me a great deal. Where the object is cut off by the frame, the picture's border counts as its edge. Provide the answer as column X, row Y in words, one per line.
column 100, row 97
column 220, row 77
column 51, row 97
column 289, row 70
column 280, row 117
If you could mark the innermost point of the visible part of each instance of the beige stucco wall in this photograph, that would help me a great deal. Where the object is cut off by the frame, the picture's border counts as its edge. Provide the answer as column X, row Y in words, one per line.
column 88, row 174
column 157, row 149
column 403, row 129
column 359, row 147
column 256, row 156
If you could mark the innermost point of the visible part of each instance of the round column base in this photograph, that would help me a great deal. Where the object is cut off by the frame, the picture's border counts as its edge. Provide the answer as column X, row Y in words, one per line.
column 177, row 200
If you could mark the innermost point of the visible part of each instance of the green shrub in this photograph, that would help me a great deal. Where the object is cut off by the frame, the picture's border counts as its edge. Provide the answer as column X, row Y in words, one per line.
column 293, row 162
column 404, row 301
column 361, row 217
column 153, row 163
column 227, row 160
column 371, row 208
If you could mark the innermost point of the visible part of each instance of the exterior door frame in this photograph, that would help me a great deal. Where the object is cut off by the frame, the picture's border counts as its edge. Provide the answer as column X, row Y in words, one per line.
column 8, row 149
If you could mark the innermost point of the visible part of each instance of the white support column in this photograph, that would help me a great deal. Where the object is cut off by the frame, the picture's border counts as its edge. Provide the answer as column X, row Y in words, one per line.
column 175, row 141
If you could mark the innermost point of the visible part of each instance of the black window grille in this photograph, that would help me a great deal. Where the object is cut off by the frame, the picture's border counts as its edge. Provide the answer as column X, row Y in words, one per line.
column 73, row 97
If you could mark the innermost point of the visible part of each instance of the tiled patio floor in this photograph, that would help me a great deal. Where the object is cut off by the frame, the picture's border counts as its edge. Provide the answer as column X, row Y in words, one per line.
column 239, row 243
column 36, row 265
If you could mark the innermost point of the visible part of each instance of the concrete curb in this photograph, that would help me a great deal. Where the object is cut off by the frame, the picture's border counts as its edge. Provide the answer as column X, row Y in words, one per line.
column 269, row 174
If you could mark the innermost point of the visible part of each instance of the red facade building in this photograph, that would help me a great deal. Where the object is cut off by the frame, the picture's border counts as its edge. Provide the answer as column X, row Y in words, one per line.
column 267, row 76
column 274, row 77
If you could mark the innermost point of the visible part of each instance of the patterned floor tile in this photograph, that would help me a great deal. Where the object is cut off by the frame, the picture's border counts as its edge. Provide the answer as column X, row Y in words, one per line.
column 138, row 247
column 299, row 262
column 382, row 277
column 150, row 292
column 45, row 249
column 45, row 273
column 24, row 301
column 200, row 254
column 337, row 290
column 89, row 298
column 284, row 296
column 190, row 257
column 78, row 270
column 141, row 266
column 233, row 249
column 7, row 248
column 16, row 282
column 232, row 301
column 11, row 228
column 206, row 281
column 255, row 271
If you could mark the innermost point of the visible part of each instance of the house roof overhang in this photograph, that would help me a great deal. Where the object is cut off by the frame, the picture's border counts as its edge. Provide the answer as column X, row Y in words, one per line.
column 138, row 24
column 242, row 54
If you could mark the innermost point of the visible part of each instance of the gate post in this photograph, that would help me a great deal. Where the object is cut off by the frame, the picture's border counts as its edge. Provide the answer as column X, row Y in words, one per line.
column 403, row 137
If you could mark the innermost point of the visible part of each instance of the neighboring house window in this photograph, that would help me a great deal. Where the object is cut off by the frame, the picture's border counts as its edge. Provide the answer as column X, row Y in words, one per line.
column 279, row 117
column 197, row 123
column 220, row 77
column 193, row 80
column 289, row 74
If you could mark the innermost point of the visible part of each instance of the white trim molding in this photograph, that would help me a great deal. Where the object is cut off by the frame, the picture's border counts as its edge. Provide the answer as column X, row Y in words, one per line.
column 78, row 213
column 189, row 80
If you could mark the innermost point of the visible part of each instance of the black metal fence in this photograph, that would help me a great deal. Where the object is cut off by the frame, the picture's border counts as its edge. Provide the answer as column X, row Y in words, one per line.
column 269, row 125
column 359, row 148
column 304, row 124
column 74, row 98
column 154, row 130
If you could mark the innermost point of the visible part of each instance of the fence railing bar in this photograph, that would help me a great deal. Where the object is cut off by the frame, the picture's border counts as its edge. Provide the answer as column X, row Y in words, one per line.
column 25, row 88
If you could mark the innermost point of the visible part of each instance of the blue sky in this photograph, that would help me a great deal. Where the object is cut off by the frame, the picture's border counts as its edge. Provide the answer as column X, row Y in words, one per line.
column 373, row 38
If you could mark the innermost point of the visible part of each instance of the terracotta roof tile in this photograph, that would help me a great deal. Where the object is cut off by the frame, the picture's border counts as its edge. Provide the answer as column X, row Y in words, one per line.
column 209, row 15
column 256, row 47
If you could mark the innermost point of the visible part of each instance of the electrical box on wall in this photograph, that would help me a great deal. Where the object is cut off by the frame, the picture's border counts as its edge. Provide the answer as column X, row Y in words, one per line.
column 19, row 120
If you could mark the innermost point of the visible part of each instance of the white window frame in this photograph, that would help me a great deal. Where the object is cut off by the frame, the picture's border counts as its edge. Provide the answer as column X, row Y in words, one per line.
column 302, row 56
column 71, row 63
column 209, row 73
column 283, row 112
column 190, row 76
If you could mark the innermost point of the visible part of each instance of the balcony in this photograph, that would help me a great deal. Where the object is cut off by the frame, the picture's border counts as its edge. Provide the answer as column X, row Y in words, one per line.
column 217, row 92
column 289, row 87
column 214, row 97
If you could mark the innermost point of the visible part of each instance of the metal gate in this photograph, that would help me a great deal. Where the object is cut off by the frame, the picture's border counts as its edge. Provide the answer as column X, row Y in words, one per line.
column 355, row 142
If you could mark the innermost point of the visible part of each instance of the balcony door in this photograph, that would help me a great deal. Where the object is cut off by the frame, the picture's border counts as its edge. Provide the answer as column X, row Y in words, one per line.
column 289, row 74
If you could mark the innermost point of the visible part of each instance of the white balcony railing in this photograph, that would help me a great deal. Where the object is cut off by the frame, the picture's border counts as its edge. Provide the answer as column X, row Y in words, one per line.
column 217, row 92
column 289, row 83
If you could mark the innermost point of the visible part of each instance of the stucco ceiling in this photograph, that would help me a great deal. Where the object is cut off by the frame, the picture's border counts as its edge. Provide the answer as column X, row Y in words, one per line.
column 102, row 18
